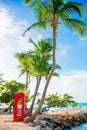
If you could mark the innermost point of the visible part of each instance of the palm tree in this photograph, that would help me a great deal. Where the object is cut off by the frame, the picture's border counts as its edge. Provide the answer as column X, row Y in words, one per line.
column 56, row 13
column 25, row 59
column 41, row 56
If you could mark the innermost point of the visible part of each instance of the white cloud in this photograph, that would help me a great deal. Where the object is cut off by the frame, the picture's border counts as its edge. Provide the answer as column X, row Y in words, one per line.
column 12, row 41
column 83, row 38
column 75, row 83
column 63, row 50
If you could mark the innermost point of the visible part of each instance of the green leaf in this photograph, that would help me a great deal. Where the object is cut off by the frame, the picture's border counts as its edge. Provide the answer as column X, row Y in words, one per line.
column 58, row 67
column 56, row 74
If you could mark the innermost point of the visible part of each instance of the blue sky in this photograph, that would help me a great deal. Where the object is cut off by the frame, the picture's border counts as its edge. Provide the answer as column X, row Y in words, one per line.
column 71, row 55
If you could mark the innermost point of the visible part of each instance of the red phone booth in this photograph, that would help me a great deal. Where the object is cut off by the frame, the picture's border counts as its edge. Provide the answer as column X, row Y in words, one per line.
column 19, row 106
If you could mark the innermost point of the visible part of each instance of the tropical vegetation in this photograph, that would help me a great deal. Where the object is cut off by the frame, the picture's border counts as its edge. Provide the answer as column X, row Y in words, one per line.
column 9, row 89
column 56, row 13
column 56, row 100
column 37, row 63
column 24, row 65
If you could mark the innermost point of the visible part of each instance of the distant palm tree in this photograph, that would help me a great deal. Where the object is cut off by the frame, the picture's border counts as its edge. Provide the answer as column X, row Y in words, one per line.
column 25, row 60
column 56, row 13
column 67, row 100
column 56, row 100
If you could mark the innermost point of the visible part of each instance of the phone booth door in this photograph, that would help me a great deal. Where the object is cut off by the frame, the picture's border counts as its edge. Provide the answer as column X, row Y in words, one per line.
column 19, row 106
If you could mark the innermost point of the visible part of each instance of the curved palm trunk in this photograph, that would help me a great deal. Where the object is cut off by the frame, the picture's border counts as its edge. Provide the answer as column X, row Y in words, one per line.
column 50, row 75
column 30, row 110
column 42, row 98
column 27, row 82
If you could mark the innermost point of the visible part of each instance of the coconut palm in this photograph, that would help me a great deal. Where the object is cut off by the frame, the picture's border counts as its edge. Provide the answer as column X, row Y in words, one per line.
column 25, row 60
column 56, row 13
column 41, row 56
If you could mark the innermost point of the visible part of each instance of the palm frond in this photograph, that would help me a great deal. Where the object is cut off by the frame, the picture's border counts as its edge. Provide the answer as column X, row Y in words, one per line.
column 31, row 2
column 22, row 72
column 47, row 6
column 58, row 67
column 72, row 7
column 77, row 26
column 26, row 1
column 37, row 24
column 63, row 15
column 35, row 45
column 30, row 27
column 56, row 74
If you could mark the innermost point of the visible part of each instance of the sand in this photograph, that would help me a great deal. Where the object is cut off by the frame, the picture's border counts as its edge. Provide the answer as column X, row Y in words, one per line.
column 7, row 123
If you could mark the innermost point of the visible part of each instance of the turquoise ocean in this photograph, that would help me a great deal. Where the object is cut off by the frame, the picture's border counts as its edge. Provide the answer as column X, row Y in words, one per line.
column 84, row 105
column 80, row 127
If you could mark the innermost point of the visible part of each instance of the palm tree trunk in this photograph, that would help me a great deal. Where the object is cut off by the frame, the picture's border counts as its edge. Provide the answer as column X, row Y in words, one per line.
column 42, row 98
column 50, row 75
column 27, row 80
column 30, row 110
